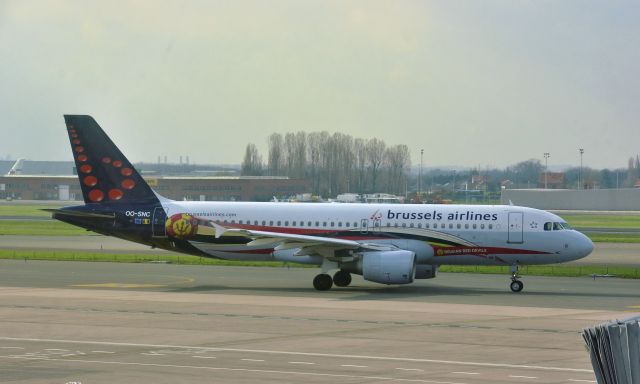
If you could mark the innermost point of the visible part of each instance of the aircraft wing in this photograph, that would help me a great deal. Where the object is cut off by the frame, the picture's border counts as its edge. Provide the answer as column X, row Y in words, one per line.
column 306, row 244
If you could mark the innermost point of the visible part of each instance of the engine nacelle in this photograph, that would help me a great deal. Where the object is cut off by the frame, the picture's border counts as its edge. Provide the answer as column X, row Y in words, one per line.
column 389, row 267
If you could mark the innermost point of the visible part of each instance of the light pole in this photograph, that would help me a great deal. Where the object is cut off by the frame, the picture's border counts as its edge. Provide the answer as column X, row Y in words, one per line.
column 546, row 168
column 581, row 150
column 420, row 176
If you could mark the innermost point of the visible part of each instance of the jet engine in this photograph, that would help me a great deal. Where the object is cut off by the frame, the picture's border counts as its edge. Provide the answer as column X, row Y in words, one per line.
column 385, row 267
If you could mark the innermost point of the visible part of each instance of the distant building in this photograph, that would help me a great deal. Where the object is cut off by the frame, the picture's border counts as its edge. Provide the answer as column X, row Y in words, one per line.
column 555, row 180
column 37, row 187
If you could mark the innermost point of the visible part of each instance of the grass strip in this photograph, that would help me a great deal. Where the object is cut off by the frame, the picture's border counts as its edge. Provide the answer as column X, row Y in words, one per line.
column 614, row 237
column 549, row 270
column 40, row 228
column 35, row 210
column 603, row 221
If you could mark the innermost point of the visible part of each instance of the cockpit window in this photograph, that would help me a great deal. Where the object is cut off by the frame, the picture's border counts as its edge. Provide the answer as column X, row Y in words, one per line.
column 557, row 226
column 548, row 226
column 566, row 225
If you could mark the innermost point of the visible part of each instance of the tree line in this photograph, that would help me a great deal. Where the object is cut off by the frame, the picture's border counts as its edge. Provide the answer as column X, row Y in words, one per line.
column 335, row 163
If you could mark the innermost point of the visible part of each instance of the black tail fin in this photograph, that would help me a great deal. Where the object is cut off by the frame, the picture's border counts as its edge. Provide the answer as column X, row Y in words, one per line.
column 105, row 174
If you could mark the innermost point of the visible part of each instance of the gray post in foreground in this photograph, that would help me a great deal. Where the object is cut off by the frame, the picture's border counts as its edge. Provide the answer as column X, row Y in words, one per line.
column 614, row 348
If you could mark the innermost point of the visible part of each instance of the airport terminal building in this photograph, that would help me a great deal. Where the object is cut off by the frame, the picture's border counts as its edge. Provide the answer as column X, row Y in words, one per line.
column 56, row 181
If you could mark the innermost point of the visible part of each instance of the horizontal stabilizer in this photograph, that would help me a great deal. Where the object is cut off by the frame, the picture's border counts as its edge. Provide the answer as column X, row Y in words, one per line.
column 80, row 214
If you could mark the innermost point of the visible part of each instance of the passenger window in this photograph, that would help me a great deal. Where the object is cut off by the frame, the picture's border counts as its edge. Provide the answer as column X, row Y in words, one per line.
column 442, row 226
column 309, row 224
column 466, row 226
column 411, row 225
column 490, row 226
column 317, row 223
column 395, row 225
column 475, row 226
column 426, row 225
column 264, row 222
column 347, row 224
column 271, row 223
column 286, row 223
column 324, row 223
column 279, row 223
column 450, row 226
column 481, row 226
column 339, row 223
column 332, row 224
column 293, row 224
column 404, row 225
column 355, row 224
column 459, row 225
column 419, row 225
column 302, row 223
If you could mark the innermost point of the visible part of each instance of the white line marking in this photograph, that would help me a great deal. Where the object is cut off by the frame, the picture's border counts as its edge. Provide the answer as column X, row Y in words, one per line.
column 204, row 357
column 381, row 358
column 102, row 352
column 522, row 377
column 410, row 369
column 383, row 378
column 254, row 360
column 11, row 348
column 466, row 373
column 301, row 362
column 582, row 381
column 56, row 349
column 354, row 366
column 152, row 353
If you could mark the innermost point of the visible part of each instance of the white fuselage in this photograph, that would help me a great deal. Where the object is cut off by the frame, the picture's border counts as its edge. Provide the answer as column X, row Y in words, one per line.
column 438, row 234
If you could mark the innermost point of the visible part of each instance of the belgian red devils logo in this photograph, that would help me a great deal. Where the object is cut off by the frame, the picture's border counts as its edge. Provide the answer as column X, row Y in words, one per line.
column 376, row 215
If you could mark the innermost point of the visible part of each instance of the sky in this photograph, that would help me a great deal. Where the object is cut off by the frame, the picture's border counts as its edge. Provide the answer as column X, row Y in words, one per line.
column 473, row 83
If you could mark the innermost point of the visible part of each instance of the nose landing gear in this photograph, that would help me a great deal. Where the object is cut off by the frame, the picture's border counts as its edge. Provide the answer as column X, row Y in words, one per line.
column 516, row 285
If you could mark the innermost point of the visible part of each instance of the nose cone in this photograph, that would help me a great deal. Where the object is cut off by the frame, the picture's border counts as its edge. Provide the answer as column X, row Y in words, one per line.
column 584, row 246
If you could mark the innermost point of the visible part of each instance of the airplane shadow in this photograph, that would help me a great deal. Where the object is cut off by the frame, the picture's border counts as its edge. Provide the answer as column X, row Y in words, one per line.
column 359, row 293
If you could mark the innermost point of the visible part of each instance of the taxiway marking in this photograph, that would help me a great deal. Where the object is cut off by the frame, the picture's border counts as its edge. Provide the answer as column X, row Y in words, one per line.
column 293, row 373
column 293, row 353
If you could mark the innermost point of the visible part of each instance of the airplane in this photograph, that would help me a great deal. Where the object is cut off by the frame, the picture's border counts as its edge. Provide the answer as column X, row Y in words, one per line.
column 384, row 243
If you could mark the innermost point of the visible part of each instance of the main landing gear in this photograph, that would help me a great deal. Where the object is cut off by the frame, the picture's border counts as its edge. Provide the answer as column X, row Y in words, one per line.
column 324, row 282
column 516, row 285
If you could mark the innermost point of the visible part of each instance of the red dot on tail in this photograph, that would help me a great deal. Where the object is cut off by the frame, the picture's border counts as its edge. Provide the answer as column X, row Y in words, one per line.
column 106, row 159
column 82, row 158
column 126, row 171
column 74, row 135
column 115, row 194
column 86, row 168
column 128, row 184
column 117, row 164
column 75, row 141
column 90, row 181
column 96, row 195
column 79, row 149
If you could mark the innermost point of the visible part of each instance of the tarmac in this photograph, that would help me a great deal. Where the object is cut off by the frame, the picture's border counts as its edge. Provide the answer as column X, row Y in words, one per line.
column 63, row 322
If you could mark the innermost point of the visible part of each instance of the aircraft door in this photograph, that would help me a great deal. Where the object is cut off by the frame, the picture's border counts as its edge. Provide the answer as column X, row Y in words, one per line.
column 159, row 218
column 515, row 228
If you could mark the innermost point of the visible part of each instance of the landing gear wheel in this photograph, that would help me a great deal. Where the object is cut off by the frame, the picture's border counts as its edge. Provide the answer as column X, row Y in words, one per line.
column 322, row 282
column 342, row 278
column 516, row 286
